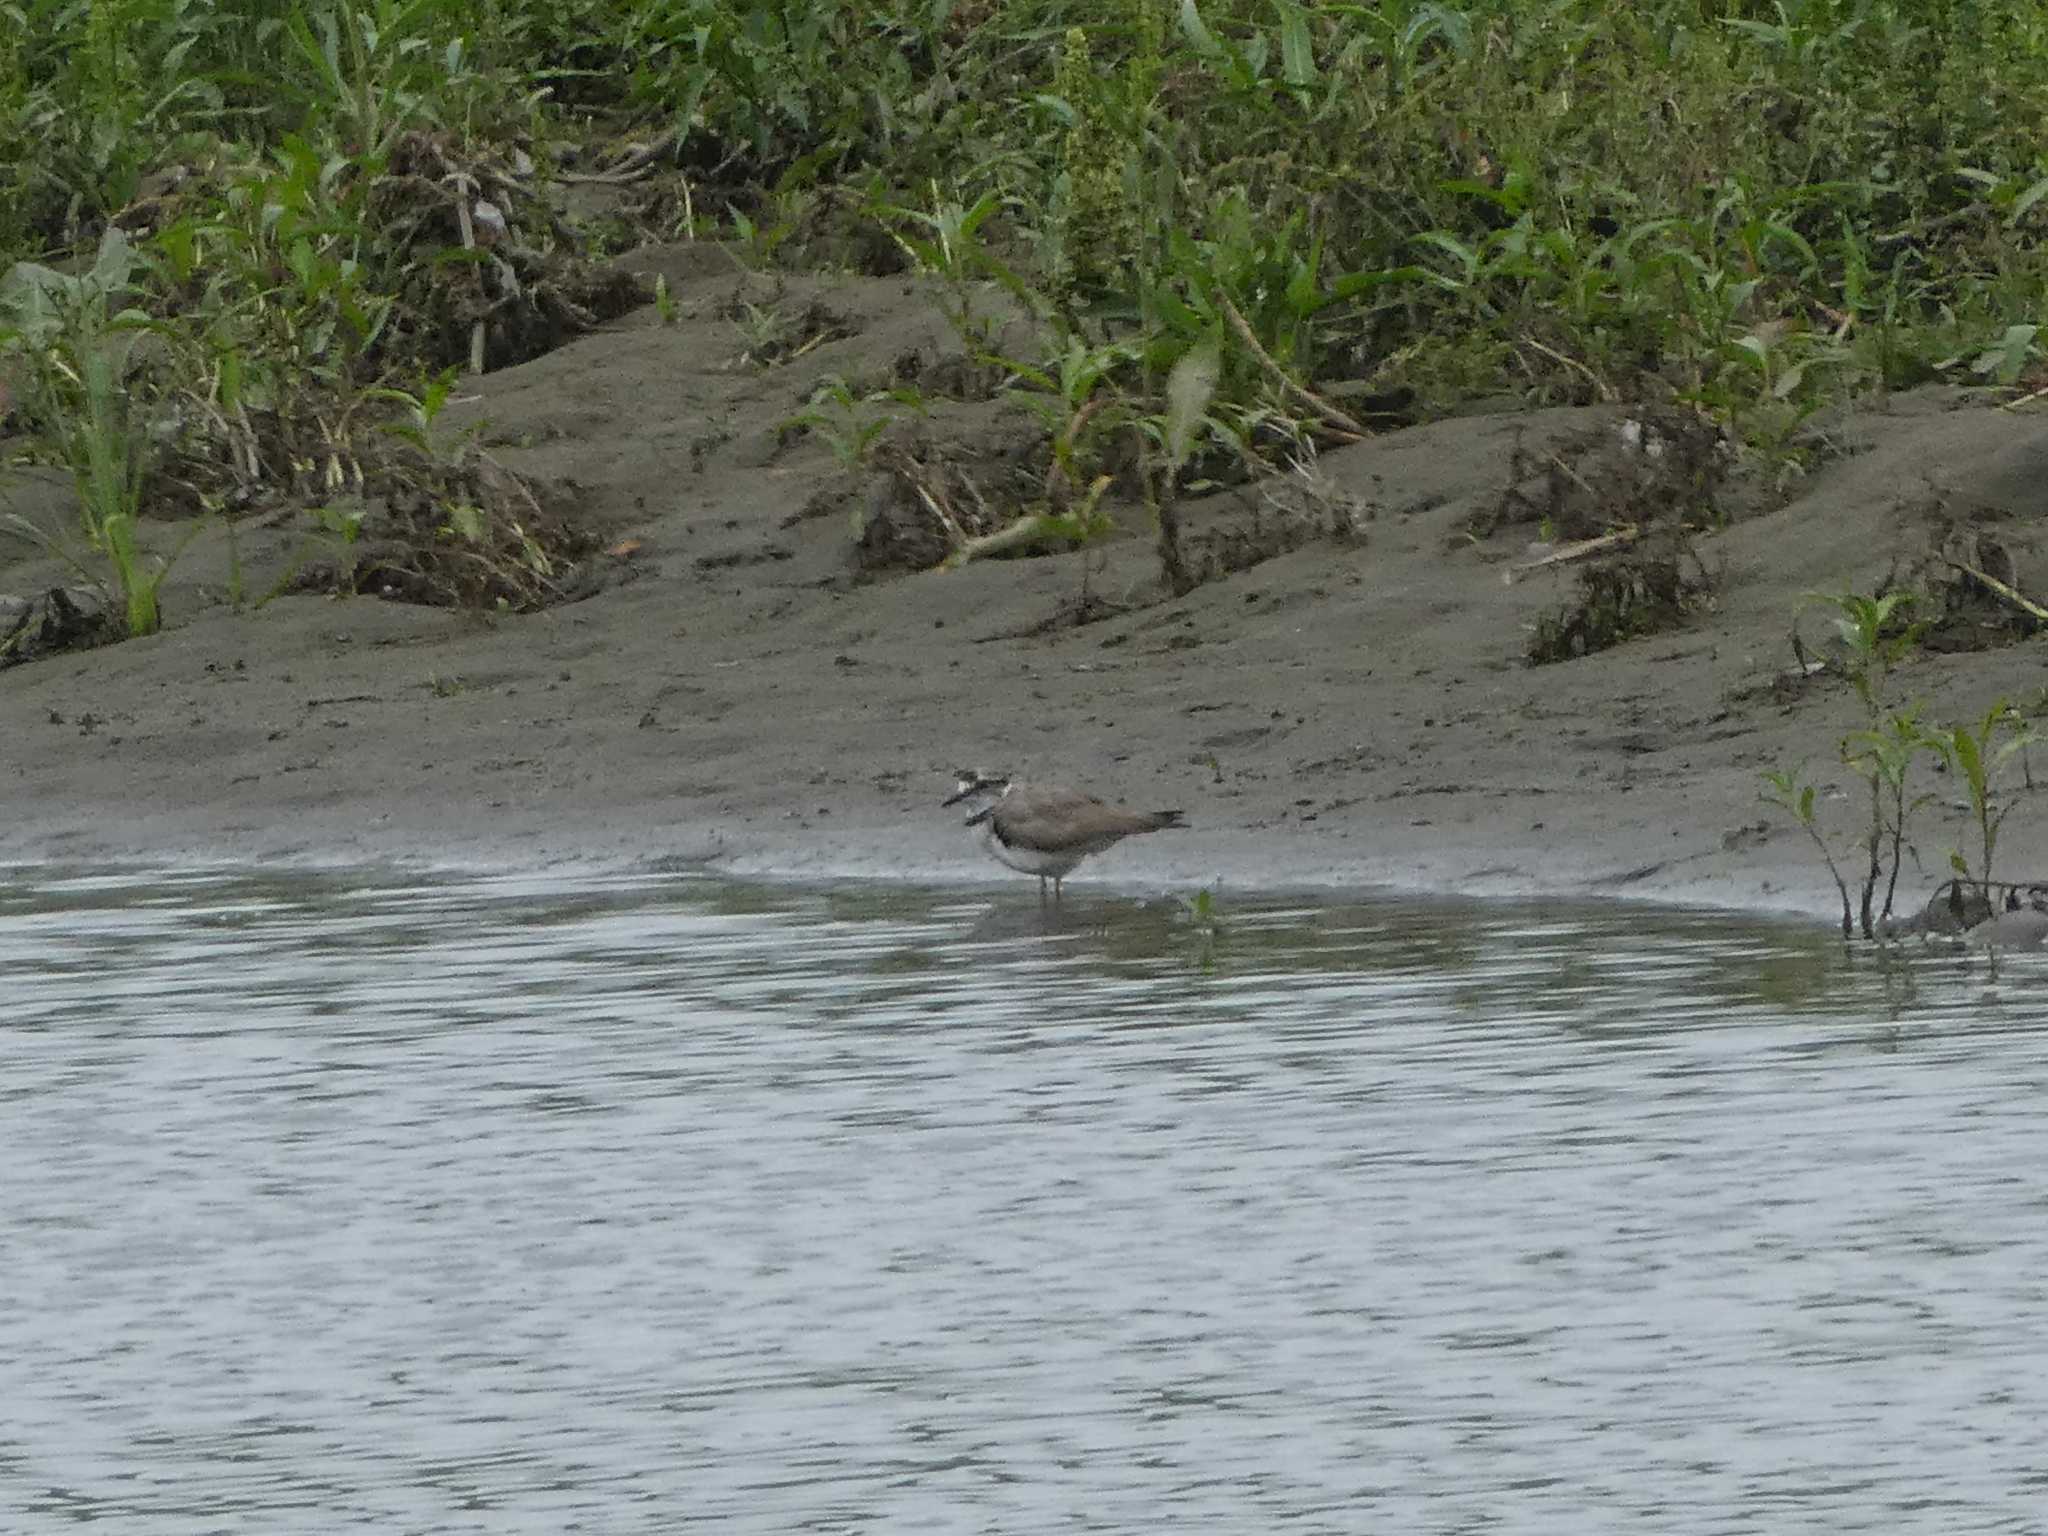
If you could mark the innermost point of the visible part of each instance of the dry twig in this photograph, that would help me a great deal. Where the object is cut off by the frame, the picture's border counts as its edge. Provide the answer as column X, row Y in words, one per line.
column 2010, row 593
column 1329, row 413
column 1583, row 549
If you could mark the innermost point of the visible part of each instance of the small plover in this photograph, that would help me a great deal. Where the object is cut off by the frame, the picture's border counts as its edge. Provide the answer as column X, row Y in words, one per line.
column 1046, row 829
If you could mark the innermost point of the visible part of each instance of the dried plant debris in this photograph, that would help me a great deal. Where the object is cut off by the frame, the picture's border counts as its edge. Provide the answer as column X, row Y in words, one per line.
column 924, row 501
column 772, row 331
column 525, row 289
column 1652, row 586
column 59, row 619
column 463, row 532
column 1649, row 465
column 1975, row 590
column 1292, row 510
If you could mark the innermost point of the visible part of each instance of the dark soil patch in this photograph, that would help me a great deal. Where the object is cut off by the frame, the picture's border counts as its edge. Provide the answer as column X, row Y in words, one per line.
column 1283, row 513
column 1644, row 591
column 1645, row 481
column 57, row 619
column 1975, row 587
column 1661, row 465
column 837, row 231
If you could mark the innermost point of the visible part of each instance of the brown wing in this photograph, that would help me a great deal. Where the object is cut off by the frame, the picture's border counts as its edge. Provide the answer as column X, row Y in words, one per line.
column 1051, row 818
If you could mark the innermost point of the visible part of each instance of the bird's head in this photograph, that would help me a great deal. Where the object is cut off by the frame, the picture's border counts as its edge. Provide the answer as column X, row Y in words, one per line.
column 979, row 785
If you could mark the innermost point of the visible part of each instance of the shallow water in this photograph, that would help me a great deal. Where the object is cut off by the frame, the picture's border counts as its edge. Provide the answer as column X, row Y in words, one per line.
column 544, row 1205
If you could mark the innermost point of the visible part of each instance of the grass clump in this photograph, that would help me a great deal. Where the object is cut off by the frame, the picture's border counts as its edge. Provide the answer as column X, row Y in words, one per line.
column 1353, row 211
column 90, row 394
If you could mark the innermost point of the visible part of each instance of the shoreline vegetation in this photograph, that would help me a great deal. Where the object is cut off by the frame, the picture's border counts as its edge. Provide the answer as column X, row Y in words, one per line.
column 1133, row 305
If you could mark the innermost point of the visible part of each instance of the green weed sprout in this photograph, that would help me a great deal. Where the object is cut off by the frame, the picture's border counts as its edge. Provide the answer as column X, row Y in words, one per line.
column 1881, row 753
column 847, row 430
column 415, row 425
column 1203, row 914
column 1072, row 395
column 950, row 246
column 1789, row 793
column 1977, row 756
column 1873, row 644
column 1884, row 755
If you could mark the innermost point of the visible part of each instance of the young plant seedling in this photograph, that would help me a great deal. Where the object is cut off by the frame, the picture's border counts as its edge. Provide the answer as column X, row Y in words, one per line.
column 1977, row 756
column 1791, row 794
column 1881, row 753
column 846, row 428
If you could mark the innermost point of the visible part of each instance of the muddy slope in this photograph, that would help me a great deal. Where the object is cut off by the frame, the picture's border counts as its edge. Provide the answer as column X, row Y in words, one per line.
column 1357, row 711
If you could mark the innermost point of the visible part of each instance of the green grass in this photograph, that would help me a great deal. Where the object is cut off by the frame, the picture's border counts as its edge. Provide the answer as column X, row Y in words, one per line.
column 1759, row 209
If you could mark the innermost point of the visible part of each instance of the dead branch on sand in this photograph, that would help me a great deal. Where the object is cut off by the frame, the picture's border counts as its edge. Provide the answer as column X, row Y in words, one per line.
column 1330, row 414
column 1993, row 584
column 1621, row 538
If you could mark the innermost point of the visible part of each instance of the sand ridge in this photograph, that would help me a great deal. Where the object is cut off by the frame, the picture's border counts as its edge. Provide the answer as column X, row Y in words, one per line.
column 1353, row 713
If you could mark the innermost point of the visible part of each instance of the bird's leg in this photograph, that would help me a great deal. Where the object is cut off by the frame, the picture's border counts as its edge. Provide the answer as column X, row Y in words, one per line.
column 1041, row 890
column 1056, row 888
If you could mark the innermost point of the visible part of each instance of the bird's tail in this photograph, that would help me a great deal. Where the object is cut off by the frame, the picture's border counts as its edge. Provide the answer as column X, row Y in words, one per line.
column 1161, row 820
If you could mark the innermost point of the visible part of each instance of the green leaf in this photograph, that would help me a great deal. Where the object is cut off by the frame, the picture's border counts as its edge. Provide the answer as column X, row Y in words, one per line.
column 1297, row 48
column 1243, row 73
column 1189, row 388
column 2026, row 200
column 1301, row 296
column 1463, row 253
column 467, row 520
column 1176, row 312
column 1197, row 30
column 1969, row 757
column 1510, row 198
column 972, row 220
column 115, row 261
column 1352, row 284
column 2008, row 355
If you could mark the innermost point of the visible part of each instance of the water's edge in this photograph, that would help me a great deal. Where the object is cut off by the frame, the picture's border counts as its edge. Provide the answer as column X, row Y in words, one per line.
column 1777, row 887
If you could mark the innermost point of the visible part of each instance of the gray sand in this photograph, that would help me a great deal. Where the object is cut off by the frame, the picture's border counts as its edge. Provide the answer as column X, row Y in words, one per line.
column 1351, row 715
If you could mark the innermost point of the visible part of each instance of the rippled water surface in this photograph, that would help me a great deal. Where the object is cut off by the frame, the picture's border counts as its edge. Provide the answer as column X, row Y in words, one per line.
column 544, row 1206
